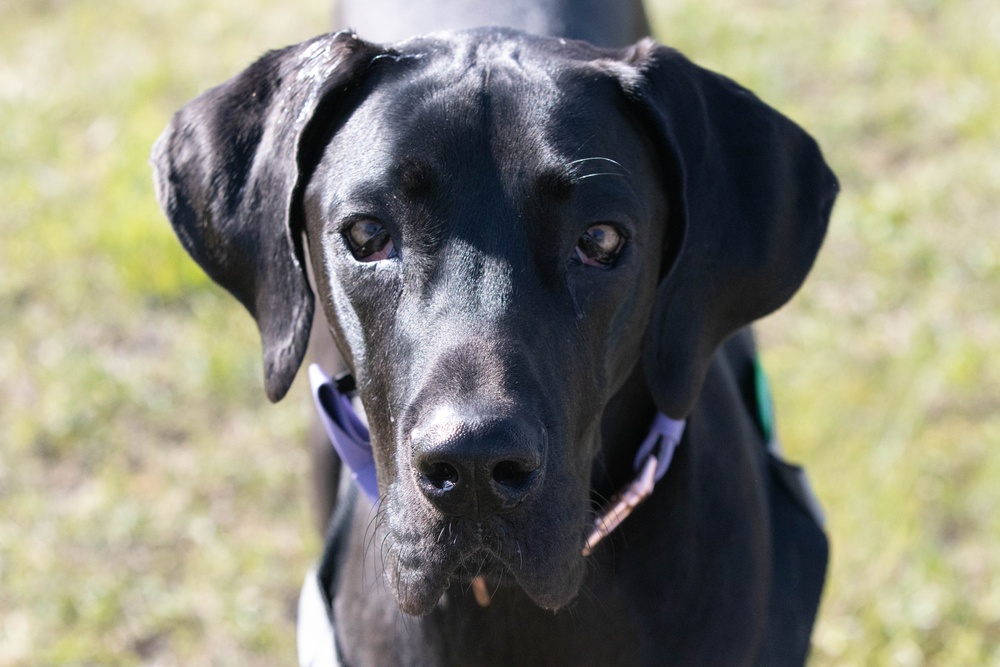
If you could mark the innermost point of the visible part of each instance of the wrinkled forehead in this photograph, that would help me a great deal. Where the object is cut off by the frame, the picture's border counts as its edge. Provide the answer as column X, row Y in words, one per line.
column 508, row 107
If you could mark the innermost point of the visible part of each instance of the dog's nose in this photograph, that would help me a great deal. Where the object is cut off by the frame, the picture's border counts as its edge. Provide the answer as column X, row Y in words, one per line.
column 477, row 466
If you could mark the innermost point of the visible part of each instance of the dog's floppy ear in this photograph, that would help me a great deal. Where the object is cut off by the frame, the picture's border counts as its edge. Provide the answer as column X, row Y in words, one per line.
column 752, row 196
column 229, row 172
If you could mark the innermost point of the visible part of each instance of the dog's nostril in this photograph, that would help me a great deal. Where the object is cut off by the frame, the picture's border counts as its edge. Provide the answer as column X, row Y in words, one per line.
column 442, row 476
column 511, row 473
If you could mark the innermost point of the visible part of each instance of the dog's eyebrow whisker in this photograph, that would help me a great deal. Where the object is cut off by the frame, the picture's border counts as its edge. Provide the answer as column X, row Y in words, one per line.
column 606, row 159
column 574, row 168
column 395, row 57
column 577, row 179
column 583, row 145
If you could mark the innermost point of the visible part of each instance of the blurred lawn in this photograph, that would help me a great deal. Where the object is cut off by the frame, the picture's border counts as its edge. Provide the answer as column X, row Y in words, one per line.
column 154, row 507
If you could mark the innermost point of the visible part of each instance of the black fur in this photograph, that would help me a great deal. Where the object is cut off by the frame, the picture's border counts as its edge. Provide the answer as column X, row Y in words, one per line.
column 483, row 345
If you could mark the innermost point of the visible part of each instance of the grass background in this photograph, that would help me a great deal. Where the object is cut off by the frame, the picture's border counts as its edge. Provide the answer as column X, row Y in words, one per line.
column 153, row 506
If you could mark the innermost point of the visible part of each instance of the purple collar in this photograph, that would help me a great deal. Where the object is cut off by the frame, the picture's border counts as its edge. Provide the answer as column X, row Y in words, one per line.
column 348, row 434
column 351, row 439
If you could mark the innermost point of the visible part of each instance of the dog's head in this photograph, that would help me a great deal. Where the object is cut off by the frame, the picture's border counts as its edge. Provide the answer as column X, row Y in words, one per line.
column 501, row 227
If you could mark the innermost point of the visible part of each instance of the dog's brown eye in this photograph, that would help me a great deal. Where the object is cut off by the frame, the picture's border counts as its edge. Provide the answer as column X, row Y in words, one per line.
column 369, row 240
column 600, row 246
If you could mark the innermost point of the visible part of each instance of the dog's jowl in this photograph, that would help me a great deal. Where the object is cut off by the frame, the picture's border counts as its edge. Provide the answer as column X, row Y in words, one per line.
column 535, row 256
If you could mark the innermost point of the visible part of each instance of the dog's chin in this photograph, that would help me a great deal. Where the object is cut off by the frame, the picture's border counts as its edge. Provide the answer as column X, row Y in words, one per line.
column 417, row 593
column 552, row 592
column 419, row 588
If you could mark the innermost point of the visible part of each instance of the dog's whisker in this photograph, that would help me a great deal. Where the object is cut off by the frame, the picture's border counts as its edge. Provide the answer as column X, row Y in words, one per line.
column 605, row 159
column 368, row 542
column 479, row 570
column 385, row 545
column 383, row 578
column 575, row 168
column 603, row 173
column 379, row 524
column 400, row 584
column 371, row 551
column 371, row 529
column 583, row 145
column 598, row 601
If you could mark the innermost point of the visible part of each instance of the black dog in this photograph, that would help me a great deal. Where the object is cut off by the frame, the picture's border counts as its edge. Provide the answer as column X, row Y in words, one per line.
column 525, row 248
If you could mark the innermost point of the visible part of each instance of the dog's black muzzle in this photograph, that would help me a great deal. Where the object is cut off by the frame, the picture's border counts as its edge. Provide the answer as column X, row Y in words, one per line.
column 476, row 466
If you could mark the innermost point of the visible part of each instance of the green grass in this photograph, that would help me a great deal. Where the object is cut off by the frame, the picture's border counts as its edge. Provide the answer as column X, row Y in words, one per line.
column 153, row 506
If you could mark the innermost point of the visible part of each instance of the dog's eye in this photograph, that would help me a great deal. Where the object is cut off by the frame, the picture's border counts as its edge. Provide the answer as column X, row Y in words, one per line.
column 600, row 246
column 369, row 240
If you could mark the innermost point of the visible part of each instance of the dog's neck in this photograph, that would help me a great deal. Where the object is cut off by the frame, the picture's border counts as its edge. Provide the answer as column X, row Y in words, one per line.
column 624, row 425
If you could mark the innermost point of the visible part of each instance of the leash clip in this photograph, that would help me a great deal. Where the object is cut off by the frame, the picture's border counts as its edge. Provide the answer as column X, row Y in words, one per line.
column 651, row 461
